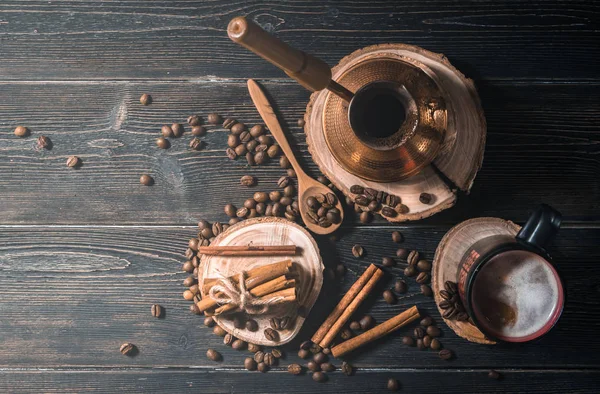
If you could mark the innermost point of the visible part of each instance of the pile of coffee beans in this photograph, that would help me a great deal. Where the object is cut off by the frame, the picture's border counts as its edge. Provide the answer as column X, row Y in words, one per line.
column 322, row 209
column 371, row 200
column 417, row 268
column 255, row 144
column 318, row 364
column 425, row 336
column 451, row 303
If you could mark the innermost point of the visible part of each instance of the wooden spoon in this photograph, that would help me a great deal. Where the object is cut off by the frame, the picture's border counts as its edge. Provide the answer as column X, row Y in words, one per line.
column 306, row 185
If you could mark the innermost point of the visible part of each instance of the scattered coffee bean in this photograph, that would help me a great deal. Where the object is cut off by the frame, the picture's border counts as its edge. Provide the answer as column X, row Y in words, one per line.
column 319, row 377
column 427, row 341
column 397, row 236
column 166, row 131
column 425, row 198
column 408, row 341
column 228, row 123
column 346, row 334
column 156, row 310
column 177, row 129
column 196, row 144
column 410, row 271
column 400, row 286
column 347, row 369
column 22, row 131
column 427, row 321
column 271, row 334
column 248, row 180
column 306, row 345
column 188, row 295
column 163, row 143
column 250, row 364
column 259, row 356
column 194, row 120
column 128, row 349
column 194, row 310
column 254, row 348
column 231, row 154
column 355, row 326
column 413, row 258
column 238, row 344
column 146, row 99
column 393, row 384
column 304, row 353
column 284, row 162
column 214, row 118
column 262, row 367
column 218, row 330
column 373, row 206
column 328, row 367
column 209, row 321
column 189, row 281
column 426, row 291
column 320, row 358
column 326, row 350
column 273, row 151
column 388, row 262
column 213, row 355
column 445, row 354
column 402, row 253
column 420, row 344
column 423, row 278
column 228, row 339
column 358, row 251
column 315, row 348
column 494, row 374
column 295, row 369
column 367, row 322
column 43, row 142
column 389, row 297
column 419, row 332
column 199, row 131
column 433, row 331
column 230, row 210
column 276, row 353
column 424, row 265
column 73, row 161
column 435, row 344
column 313, row 366
column 291, row 173
column 366, row 217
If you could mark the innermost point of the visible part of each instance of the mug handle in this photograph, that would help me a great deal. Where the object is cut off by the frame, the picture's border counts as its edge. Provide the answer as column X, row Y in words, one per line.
column 541, row 227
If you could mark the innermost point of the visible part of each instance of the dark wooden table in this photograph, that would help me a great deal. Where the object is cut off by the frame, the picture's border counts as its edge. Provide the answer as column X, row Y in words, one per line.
column 84, row 253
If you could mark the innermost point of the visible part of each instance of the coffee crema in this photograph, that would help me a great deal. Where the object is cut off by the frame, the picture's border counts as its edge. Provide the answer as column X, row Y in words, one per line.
column 516, row 294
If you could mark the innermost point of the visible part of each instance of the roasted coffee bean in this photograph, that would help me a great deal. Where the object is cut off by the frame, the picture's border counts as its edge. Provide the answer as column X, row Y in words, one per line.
column 449, row 313
column 322, row 179
column 347, row 369
column 289, row 191
column 451, row 287
column 249, row 203
column 233, row 141
column 273, row 151
column 228, row 123
column 388, row 262
column 388, row 212
column 74, row 161
column 445, row 304
column 423, row 278
column 361, row 200
column 410, row 271
column 238, row 344
column 366, row 217
column 163, row 143
column 230, row 210
column 277, row 209
column 413, row 258
column 366, row 322
column 209, row 321
column 167, row 131
column 189, row 253
column 261, row 197
column 193, row 244
column 313, row 366
column 326, row 350
column 213, row 355
column 253, row 348
column 284, row 162
column 291, row 172
column 425, row 198
column 357, row 189
column 251, row 325
column 241, row 150
column 218, row 330
column 346, row 334
column 269, row 210
column 295, row 369
column 435, row 344
column 303, row 353
column 286, row 322
column 397, row 236
column 445, row 354
column 426, row 321
column 426, row 291
column 306, row 345
column 427, row 341
column 320, row 358
column 199, row 131
column 328, row 367
column 128, row 349
column 393, row 384
column 408, row 341
column 420, row 344
column 276, row 353
column 157, row 310
column 194, row 289
column 22, row 131
column 419, row 332
column 194, row 120
column 214, row 118
column 242, row 212
column 301, row 122
column 354, row 326
column 145, row 180
column 333, row 217
column 238, row 129
column 271, row 335
column 319, row 377
column 262, row 367
column 177, row 129
column 315, row 348
column 250, row 364
column 358, row 251
column 424, row 265
column 275, row 323
column 324, row 222
column 189, row 281
column 322, row 212
column 402, row 253
column 445, row 295
column 196, row 144
column 245, row 137
column 433, row 331
column 259, row 356
column 392, row 200
column 331, row 199
column 370, row 193
column 233, row 221
column 217, row 228
column 231, row 154
column 250, row 159
column 494, row 375
column 462, row 316
column 251, row 145
column 228, row 340
column 145, row 99
column 265, row 139
column 187, row 267
column 400, row 286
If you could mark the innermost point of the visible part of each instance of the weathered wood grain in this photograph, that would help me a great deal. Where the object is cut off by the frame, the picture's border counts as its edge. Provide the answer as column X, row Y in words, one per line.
column 543, row 145
column 71, row 296
column 187, row 39
column 278, row 381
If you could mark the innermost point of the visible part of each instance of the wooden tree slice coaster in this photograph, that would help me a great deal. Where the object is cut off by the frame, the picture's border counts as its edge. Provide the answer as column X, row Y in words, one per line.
column 448, row 254
column 268, row 231
column 461, row 154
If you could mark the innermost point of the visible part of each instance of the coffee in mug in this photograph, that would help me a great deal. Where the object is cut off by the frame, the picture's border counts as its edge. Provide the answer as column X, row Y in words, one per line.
column 507, row 284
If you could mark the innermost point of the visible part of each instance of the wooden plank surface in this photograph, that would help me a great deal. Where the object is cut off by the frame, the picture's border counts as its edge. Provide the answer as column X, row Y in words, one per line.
column 71, row 296
column 543, row 143
column 236, row 381
column 137, row 39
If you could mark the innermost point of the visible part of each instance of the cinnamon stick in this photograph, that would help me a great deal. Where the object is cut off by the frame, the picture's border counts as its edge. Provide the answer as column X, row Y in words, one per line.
column 282, row 296
column 349, row 311
column 255, row 276
column 343, row 304
column 250, row 250
column 376, row 332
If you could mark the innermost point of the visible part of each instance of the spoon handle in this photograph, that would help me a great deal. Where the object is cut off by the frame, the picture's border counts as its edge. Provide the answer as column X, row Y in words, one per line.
column 268, row 115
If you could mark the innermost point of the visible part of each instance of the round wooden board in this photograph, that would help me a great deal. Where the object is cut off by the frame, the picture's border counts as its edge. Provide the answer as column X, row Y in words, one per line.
column 268, row 231
column 461, row 154
column 448, row 254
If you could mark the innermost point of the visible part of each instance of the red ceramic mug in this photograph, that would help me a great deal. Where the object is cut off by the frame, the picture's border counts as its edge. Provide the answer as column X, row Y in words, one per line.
column 508, row 285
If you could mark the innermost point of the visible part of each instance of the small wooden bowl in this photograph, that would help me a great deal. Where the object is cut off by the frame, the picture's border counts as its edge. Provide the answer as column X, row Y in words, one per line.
column 268, row 231
column 447, row 258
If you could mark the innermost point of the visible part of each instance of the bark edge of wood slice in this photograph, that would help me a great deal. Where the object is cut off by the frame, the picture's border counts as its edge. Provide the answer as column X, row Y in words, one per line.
column 268, row 231
column 460, row 157
column 448, row 254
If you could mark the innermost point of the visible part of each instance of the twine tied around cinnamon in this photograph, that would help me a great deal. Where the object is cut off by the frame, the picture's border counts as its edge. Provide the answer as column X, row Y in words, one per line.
column 225, row 291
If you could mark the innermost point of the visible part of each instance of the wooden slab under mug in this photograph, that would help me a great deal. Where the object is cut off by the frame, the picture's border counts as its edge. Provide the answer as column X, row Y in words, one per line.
column 267, row 231
column 447, row 258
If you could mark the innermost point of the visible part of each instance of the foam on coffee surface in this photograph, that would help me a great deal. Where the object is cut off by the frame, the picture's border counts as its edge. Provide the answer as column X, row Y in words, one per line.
column 515, row 294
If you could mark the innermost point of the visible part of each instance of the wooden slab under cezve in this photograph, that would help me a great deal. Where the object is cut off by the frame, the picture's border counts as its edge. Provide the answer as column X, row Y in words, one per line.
column 268, row 231
column 460, row 156
column 448, row 254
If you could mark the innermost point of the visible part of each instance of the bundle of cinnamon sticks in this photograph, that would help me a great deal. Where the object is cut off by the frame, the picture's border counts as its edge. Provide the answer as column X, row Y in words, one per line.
column 271, row 284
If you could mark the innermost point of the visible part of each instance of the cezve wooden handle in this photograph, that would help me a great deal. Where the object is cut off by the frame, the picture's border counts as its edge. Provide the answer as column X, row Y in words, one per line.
column 309, row 71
